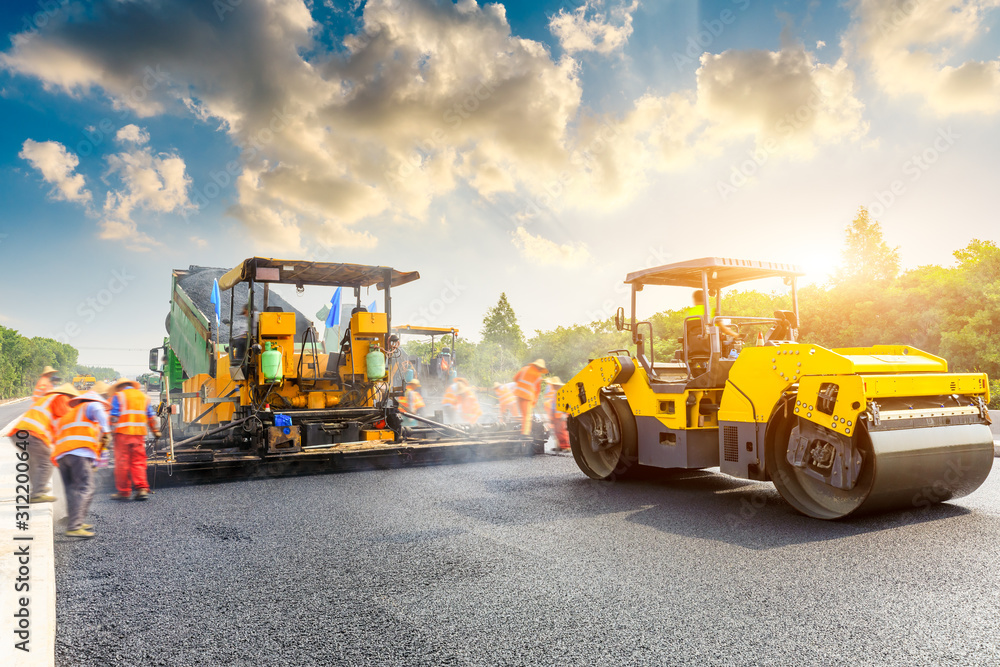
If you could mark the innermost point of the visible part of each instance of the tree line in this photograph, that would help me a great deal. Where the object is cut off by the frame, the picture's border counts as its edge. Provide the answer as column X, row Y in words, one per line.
column 23, row 359
column 952, row 312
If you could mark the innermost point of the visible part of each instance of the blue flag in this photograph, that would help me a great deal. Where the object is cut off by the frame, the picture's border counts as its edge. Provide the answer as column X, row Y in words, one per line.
column 374, row 307
column 333, row 317
column 216, row 300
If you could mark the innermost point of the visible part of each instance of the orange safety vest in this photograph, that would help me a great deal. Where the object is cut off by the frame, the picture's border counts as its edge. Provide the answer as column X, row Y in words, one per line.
column 505, row 394
column 471, row 412
column 529, row 383
column 414, row 400
column 75, row 430
column 132, row 416
column 40, row 418
column 451, row 396
column 43, row 386
column 549, row 400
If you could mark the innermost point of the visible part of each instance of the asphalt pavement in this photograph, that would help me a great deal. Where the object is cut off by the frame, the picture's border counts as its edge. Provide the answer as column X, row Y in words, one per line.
column 523, row 562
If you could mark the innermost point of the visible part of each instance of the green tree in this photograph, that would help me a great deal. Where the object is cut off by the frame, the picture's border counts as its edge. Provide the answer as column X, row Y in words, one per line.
column 500, row 327
column 22, row 360
column 566, row 350
column 866, row 257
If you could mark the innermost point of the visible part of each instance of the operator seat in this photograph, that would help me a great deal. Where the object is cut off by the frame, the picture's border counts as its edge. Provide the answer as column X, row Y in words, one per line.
column 697, row 347
column 783, row 329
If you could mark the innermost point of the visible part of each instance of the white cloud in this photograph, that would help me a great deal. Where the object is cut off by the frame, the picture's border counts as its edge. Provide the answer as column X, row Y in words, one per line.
column 591, row 28
column 58, row 167
column 542, row 250
column 154, row 183
column 425, row 99
column 126, row 232
column 913, row 47
column 199, row 242
column 132, row 133
column 785, row 96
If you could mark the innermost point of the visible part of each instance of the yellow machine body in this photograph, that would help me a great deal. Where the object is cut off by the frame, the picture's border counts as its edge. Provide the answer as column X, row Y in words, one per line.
column 316, row 389
column 838, row 430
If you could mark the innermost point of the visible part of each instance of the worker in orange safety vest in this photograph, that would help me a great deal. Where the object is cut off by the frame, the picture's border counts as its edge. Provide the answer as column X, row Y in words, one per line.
column 411, row 401
column 468, row 401
column 452, row 399
column 35, row 435
column 506, row 399
column 45, row 383
column 80, row 436
column 132, row 418
column 528, row 385
column 556, row 418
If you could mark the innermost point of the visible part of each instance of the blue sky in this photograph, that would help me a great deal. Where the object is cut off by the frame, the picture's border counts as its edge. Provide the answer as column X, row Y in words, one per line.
column 539, row 149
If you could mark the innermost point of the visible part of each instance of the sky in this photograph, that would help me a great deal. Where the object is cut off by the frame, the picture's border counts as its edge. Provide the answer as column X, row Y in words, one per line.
column 541, row 149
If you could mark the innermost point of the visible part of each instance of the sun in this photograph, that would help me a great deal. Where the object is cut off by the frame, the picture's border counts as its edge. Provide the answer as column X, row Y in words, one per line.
column 819, row 264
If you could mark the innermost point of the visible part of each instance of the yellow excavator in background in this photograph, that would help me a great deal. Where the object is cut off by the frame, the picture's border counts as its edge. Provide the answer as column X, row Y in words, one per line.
column 838, row 431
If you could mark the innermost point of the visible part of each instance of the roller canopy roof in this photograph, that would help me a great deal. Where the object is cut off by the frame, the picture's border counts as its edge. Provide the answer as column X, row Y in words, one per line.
column 302, row 272
column 424, row 331
column 722, row 272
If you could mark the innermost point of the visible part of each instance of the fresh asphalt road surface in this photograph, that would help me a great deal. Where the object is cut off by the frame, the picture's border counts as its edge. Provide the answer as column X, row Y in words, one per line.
column 523, row 562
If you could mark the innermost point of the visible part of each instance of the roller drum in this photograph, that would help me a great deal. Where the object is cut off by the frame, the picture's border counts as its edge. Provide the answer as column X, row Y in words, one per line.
column 919, row 467
column 902, row 469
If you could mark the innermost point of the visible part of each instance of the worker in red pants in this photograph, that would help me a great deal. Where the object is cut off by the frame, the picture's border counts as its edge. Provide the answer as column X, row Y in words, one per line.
column 131, row 413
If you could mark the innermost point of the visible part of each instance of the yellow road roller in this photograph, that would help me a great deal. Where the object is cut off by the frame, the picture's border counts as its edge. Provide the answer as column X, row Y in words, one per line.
column 838, row 431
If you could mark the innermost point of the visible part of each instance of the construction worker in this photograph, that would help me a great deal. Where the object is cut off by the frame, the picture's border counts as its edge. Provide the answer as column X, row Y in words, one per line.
column 40, row 422
column 468, row 401
column 80, row 436
column 45, row 383
column 506, row 399
column 411, row 401
column 452, row 400
column 698, row 310
column 556, row 417
column 132, row 417
column 548, row 401
column 528, row 385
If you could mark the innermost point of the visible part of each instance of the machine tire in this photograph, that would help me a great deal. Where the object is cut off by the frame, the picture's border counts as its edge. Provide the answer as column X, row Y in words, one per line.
column 618, row 460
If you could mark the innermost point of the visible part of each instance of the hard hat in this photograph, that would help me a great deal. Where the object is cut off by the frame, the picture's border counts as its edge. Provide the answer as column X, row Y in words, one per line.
column 554, row 380
column 48, row 370
column 121, row 383
column 94, row 395
column 415, row 382
column 541, row 364
column 65, row 388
